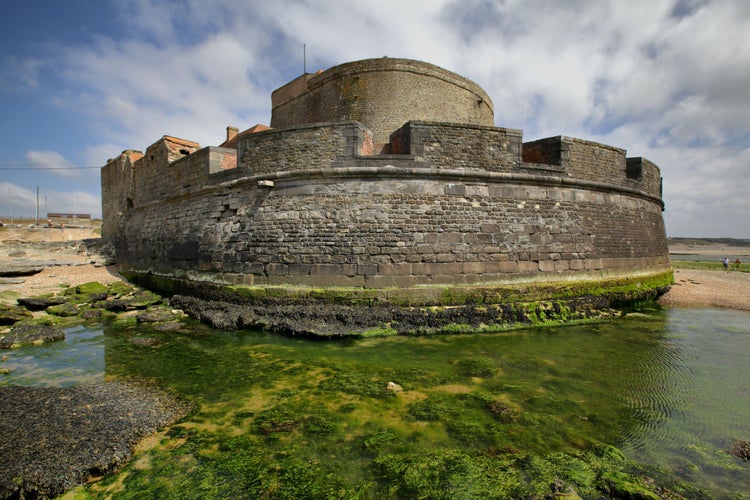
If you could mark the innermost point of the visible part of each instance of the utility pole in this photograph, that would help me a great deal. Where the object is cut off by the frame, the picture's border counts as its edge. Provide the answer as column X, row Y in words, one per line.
column 37, row 204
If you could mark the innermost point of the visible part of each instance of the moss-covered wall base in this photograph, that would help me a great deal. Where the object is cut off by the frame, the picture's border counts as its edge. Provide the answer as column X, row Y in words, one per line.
column 336, row 312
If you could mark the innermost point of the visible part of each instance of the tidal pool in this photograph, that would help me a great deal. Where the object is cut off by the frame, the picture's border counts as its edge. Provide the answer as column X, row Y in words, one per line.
column 282, row 417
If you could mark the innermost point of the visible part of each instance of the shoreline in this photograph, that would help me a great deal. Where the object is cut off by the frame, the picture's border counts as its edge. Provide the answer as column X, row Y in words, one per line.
column 701, row 288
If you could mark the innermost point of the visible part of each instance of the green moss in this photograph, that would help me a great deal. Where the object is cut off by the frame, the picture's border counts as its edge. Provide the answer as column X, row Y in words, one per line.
column 118, row 289
column 476, row 367
column 429, row 410
column 383, row 331
column 90, row 288
column 67, row 309
column 620, row 289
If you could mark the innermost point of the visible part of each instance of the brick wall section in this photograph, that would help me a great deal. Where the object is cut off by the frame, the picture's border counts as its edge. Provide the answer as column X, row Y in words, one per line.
column 117, row 190
column 452, row 145
column 595, row 162
column 302, row 148
column 382, row 94
column 395, row 233
column 549, row 151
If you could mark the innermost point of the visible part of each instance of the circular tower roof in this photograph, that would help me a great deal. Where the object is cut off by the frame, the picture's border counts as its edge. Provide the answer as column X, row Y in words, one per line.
column 382, row 94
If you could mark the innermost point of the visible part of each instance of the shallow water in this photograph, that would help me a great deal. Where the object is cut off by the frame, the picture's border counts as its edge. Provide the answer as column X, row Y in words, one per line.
column 669, row 388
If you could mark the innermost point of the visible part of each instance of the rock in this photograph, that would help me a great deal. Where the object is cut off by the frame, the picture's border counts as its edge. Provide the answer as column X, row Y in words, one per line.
column 93, row 287
column 154, row 316
column 10, row 315
column 740, row 449
column 144, row 298
column 53, row 438
column 169, row 326
column 116, row 305
column 40, row 303
column 20, row 269
column 117, row 289
column 144, row 341
column 393, row 387
column 127, row 315
column 26, row 334
column 91, row 314
column 64, row 310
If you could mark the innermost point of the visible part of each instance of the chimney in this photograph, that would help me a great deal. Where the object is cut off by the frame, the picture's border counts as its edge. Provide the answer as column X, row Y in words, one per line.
column 232, row 133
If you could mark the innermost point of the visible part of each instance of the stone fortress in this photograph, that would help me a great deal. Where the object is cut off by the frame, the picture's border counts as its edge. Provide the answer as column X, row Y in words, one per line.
column 386, row 177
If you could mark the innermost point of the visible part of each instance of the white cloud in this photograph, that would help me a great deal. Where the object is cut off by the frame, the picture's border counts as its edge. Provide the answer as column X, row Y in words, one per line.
column 22, row 202
column 53, row 162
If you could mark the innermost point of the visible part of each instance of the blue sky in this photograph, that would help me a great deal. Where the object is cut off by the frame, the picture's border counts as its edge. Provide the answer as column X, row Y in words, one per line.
column 80, row 81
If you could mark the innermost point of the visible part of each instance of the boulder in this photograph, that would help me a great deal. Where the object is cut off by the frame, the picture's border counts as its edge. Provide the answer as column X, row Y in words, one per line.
column 39, row 303
column 10, row 315
column 27, row 334
column 64, row 310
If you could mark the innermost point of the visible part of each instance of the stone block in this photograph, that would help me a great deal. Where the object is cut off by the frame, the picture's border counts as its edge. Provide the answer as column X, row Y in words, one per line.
column 546, row 266
column 326, row 270
column 528, row 266
column 593, row 264
column 275, row 268
column 474, row 268
column 367, row 269
column 394, row 269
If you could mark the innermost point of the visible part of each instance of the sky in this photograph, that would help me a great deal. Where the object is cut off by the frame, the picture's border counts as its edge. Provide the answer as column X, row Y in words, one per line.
column 669, row 80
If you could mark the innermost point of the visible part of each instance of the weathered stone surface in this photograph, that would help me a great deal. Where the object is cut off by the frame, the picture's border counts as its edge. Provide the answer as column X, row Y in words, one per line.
column 10, row 315
column 65, row 309
column 40, row 303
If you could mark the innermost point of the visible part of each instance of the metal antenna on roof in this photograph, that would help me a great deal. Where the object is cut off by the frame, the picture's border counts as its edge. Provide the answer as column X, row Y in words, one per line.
column 304, row 59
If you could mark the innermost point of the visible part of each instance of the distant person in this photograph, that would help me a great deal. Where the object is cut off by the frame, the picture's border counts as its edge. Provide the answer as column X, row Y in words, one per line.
column 737, row 265
column 726, row 263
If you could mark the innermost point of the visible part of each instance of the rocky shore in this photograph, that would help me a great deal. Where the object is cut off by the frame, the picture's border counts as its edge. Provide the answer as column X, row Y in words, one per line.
column 53, row 439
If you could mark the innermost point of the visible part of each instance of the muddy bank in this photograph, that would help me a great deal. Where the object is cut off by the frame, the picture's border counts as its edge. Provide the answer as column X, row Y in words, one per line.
column 52, row 439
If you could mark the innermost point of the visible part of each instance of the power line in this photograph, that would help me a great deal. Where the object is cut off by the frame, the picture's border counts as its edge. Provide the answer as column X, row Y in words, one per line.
column 48, row 168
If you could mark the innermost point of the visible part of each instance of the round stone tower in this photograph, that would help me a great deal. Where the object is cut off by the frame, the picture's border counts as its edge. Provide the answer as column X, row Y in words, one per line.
column 382, row 94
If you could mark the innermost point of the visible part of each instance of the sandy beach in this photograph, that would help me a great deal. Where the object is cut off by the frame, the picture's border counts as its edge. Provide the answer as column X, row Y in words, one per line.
column 692, row 288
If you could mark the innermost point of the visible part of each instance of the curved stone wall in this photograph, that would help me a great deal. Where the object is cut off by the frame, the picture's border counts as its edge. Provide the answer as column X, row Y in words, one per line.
column 382, row 94
column 396, row 228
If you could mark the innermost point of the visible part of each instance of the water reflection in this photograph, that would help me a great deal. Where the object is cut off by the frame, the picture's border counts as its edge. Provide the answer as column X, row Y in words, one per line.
column 690, row 405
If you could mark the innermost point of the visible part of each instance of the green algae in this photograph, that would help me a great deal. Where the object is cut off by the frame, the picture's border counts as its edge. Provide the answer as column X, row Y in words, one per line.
column 525, row 414
column 621, row 289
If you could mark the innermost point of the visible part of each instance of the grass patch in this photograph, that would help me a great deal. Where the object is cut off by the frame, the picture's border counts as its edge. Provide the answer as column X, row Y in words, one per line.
column 706, row 265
